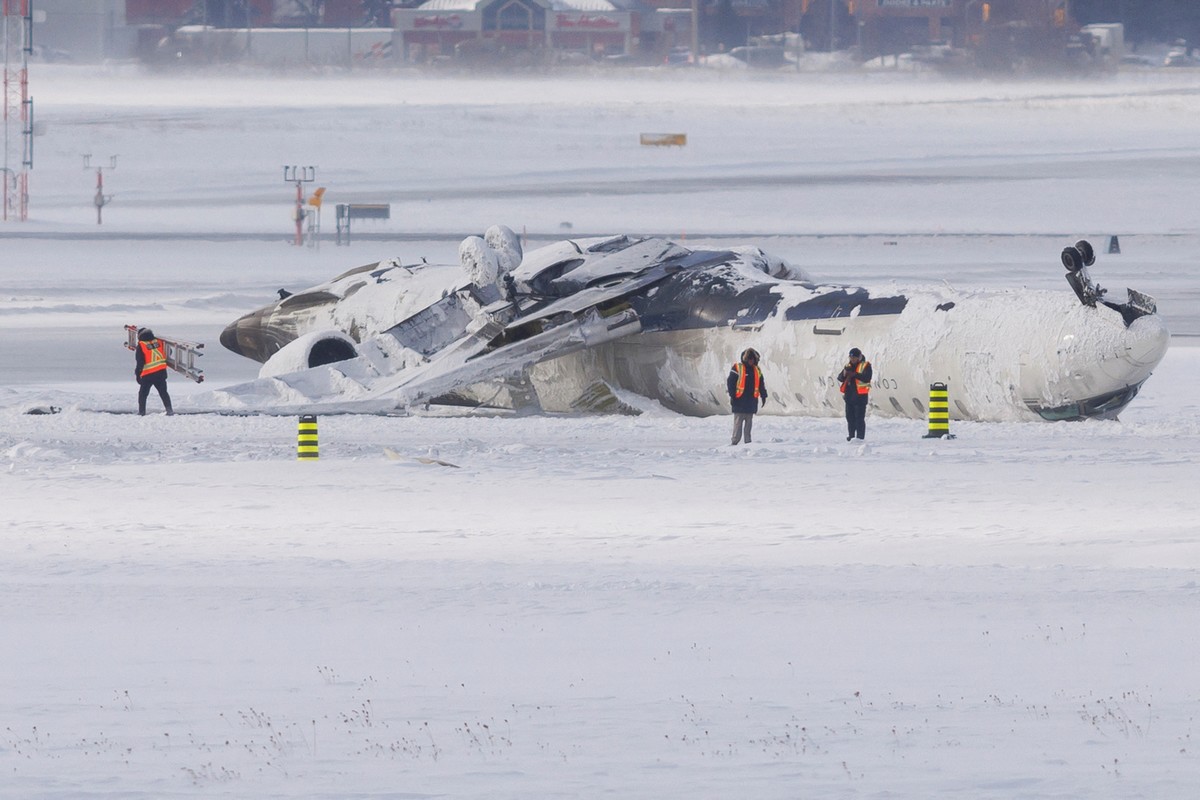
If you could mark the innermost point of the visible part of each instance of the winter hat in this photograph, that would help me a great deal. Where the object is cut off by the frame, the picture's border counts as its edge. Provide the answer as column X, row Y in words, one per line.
column 145, row 335
column 749, row 351
column 854, row 351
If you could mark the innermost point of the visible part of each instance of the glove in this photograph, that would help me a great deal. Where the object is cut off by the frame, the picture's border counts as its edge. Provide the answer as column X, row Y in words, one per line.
column 764, row 401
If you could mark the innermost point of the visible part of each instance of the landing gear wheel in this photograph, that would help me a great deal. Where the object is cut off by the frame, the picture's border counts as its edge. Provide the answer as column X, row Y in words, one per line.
column 1085, row 249
column 1072, row 259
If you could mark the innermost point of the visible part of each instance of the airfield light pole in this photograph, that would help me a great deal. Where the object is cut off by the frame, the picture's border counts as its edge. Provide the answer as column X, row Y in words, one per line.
column 832, row 23
column 695, row 43
column 101, row 199
column 299, row 176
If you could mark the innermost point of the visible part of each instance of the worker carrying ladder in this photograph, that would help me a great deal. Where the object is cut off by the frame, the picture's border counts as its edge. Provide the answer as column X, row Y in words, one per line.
column 181, row 356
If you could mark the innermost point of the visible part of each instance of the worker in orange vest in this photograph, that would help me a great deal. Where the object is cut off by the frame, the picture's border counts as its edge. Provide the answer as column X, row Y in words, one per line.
column 151, row 369
column 855, row 380
column 746, row 387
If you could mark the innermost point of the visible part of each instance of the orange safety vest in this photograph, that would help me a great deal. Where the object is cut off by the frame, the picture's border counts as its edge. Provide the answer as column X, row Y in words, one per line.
column 155, row 356
column 863, row 388
column 741, row 382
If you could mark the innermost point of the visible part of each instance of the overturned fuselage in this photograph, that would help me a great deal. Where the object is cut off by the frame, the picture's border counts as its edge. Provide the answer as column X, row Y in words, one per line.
column 580, row 325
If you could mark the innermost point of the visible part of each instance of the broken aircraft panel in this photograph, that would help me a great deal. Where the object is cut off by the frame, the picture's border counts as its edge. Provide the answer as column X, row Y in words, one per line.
column 625, row 316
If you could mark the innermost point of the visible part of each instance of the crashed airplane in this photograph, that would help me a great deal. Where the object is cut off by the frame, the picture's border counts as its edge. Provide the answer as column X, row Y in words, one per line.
column 609, row 324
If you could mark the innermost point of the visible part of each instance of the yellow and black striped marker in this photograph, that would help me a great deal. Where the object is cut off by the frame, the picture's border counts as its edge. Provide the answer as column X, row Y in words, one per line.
column 306, row 439
column 939, row 412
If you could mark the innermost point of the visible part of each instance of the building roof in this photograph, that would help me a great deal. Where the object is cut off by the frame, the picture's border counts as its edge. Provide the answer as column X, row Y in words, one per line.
column 554, row 5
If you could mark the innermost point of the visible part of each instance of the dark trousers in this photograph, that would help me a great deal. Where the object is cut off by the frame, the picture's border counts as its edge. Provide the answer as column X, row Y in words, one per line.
column 158, row 380
column 856, row 416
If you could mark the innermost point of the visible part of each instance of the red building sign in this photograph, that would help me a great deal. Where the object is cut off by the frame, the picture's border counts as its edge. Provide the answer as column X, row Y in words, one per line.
column 588, row 22
column 438, row 22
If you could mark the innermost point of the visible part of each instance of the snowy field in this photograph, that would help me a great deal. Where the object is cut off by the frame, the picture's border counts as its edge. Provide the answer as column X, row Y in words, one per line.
column 590, row 606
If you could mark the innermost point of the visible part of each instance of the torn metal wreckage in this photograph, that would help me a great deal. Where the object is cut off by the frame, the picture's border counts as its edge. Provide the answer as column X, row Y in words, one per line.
column 611, row 324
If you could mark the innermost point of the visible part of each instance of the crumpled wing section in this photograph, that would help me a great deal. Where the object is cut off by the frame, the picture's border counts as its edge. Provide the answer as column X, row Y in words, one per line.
column 495, row 344
column 486, row 334
column 469, row 361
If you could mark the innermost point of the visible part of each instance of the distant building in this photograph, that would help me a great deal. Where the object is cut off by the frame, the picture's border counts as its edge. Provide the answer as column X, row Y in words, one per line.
column 86, row 31
column 894, row 26
column 240, row 13
column 996, row 34
column 484, row 28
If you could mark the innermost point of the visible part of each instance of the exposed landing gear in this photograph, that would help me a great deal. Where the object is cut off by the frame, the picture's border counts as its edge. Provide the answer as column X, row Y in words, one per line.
column 1077, row 259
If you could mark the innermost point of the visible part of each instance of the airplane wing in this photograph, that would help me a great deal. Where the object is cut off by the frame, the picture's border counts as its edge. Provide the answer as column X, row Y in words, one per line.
column 475, row 334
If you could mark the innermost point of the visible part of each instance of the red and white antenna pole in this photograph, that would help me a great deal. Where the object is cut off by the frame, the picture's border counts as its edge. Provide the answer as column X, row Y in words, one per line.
column 299, row 176
column 17, row 33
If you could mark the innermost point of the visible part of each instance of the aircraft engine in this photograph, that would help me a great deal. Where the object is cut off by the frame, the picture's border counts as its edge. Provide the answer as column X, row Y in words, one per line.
column 310, row 350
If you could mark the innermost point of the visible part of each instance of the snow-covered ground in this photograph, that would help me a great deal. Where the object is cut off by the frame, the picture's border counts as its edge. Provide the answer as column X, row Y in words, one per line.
column 588, row 606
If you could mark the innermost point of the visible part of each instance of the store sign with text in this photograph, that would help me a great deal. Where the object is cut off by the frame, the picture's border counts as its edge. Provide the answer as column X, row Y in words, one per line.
column 914, row 3
column 586, row 22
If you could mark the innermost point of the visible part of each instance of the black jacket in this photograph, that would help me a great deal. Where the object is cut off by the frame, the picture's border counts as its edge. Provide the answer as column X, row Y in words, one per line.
column 747, row 403
column 852, row 378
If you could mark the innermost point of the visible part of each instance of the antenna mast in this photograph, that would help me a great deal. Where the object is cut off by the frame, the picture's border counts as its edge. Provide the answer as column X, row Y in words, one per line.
column 17, row 34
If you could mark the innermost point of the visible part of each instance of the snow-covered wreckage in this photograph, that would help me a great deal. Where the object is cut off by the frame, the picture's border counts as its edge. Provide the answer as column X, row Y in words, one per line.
column 614, row 324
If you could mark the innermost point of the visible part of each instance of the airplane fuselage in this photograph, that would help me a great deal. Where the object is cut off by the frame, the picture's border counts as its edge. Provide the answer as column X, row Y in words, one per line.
column 649, row 317
column 1002, row 356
